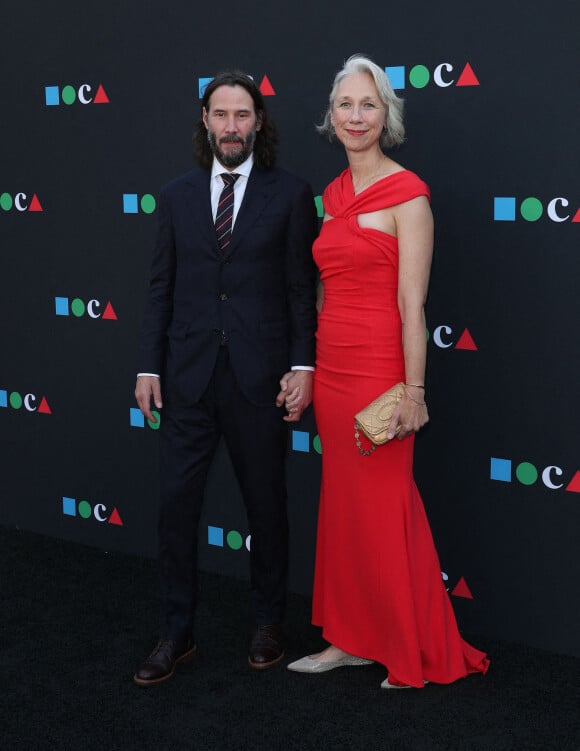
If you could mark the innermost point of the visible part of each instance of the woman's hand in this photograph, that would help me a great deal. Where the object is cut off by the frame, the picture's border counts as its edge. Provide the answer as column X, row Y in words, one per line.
column 410, row 413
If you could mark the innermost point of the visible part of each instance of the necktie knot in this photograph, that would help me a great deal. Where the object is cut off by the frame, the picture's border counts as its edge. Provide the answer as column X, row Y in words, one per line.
column 229, row 178
column 225, row 210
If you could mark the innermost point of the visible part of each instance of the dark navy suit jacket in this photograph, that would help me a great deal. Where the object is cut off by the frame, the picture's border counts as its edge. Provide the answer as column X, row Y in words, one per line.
column 259, row 295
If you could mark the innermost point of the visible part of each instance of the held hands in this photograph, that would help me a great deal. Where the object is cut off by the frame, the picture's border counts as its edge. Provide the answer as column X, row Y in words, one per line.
column 148, row 388
column 410, row 413
column 295, row 393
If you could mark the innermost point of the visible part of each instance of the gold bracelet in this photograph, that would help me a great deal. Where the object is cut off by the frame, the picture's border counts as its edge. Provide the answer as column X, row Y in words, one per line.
column 421, row 404
column 416, row 385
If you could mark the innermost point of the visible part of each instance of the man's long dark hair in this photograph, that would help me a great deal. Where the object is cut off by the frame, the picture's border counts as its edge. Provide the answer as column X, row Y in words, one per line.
column 266, row 137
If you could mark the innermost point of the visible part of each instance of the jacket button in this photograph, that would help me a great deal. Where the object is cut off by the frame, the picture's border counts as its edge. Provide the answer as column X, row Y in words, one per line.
column 223, row 296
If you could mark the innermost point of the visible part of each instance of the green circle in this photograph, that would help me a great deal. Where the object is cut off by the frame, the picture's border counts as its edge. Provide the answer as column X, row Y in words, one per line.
column 6, row 201
column 234, row 540
column 427, row 334
column 148, row 203
column 15, row 400
column 419, row 76
column 526, row 473
column 68, row 95
column 531, row 209
column 78, row 307
column 85, row 509
column 316, row 445
column 155, row 425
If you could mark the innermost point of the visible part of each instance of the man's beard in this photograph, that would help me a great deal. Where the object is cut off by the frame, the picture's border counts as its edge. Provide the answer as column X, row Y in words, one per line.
column 232, row 158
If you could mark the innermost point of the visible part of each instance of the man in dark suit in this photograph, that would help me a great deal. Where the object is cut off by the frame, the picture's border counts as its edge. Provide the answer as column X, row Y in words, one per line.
column 228, row 339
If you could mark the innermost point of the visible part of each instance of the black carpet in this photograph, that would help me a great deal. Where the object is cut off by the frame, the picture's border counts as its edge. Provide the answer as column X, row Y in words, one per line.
column 75, row 621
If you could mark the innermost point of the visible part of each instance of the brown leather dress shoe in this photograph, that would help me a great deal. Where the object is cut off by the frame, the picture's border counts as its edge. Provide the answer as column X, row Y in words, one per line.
column 161, row 663
column 267, row 647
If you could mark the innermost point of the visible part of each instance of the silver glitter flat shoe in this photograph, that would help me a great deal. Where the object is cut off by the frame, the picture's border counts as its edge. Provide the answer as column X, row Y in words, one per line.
column 386, row 684
column 310, row 665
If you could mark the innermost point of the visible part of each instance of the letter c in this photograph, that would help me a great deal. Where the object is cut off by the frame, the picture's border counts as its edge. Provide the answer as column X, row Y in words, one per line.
column 437, row 336
column 555, row 217
column 18, row 202
column 91, row 305
column 437, row 77
column 99, row 509
column 547, row 480
column 85, row 88
column 30, row 402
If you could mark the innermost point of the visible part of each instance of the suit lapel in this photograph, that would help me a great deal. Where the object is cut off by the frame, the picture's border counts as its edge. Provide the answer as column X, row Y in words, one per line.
column 260, row 190
column 201, row 215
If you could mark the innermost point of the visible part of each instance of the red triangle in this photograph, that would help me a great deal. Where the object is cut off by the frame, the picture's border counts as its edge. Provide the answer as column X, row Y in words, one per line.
column 266, row 87
column 44, row 408
column 35, row 204
column 466, row 341
column 109, row 313
column 101, row 96
column 462, row 590
column 576, row 216
column 574, row 485
column 468, row 77
column 115, row 518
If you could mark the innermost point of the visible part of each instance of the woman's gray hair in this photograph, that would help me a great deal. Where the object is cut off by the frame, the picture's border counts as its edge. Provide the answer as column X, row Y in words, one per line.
column 394, row 132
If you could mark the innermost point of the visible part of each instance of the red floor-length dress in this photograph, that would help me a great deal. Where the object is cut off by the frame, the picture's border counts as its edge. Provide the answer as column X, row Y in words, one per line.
column 378, row 591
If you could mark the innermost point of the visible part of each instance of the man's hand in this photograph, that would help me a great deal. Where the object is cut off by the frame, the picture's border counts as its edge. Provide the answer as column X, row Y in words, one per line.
column 148, row 388
column 295, row 393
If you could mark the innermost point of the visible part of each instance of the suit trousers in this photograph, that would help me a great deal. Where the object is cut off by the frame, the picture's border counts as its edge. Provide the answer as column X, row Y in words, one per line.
column 256, row 439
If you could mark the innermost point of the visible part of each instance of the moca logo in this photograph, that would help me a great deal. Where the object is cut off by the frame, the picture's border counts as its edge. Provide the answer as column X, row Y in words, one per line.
column 527, row 474
column 531, row 209
column 419, row 76
column 78, row 308
column 54, row 95
column 266, row 88
column 132, row 202
column 99, row 512
column 20, row 202
column 30, row 402
column 233, row 539
column 137, row 419
column 444, row 337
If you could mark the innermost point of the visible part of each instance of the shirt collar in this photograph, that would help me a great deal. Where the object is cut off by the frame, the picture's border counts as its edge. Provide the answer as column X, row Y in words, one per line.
column 244, row 169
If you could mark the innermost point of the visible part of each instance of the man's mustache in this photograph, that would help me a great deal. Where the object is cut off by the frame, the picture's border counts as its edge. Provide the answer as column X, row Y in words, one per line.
column 232, row 139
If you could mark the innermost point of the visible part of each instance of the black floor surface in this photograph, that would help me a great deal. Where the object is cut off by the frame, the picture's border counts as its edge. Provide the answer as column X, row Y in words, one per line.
column 75, row 621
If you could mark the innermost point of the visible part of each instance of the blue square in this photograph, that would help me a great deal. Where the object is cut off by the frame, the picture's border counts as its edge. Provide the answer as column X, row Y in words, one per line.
column 61, row 306
column 130, row 205
column 202, row 84
column 396, row 75
column 300, row 441
column 504, row 209
column 136, row 418
column 215, row 536
column 69, row 506
column 52, row 95
column 501, row 469
column 3, row 398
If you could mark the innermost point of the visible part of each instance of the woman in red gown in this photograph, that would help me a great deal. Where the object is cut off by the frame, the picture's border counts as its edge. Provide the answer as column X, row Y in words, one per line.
column 378, row 592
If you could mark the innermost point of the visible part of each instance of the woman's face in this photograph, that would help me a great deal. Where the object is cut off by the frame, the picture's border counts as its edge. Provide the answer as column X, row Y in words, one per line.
column 358, row 115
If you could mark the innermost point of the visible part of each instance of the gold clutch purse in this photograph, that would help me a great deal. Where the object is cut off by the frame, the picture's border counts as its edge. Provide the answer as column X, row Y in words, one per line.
column 373, row 421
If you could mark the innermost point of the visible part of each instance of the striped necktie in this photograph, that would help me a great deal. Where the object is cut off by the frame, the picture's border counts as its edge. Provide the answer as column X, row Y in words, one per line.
column 225, row 211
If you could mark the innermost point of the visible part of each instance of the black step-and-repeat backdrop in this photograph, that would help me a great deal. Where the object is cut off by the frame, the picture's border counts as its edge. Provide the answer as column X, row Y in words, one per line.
column 98, row 107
